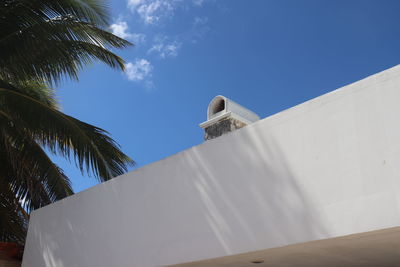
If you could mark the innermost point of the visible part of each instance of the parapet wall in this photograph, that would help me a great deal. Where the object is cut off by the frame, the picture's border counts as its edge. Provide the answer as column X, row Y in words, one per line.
column 326, row 168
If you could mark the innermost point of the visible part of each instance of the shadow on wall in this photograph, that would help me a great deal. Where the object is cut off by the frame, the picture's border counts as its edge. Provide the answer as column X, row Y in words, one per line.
column 324, row 169
column 259, row 197
column 240, row 188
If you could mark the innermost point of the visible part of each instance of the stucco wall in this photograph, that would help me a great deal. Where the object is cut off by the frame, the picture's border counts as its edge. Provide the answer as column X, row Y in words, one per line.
column 328, row 167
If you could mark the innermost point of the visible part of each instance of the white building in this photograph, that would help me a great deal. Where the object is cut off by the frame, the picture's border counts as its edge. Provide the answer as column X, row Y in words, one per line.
column 326, row 168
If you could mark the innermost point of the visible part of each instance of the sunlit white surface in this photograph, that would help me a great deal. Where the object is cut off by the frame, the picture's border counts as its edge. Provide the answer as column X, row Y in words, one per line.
column 326, row 168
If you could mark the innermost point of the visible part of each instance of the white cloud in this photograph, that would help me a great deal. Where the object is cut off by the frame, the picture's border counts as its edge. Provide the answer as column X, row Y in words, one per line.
column 121, row 29
column 135, row 2
column 153, row 11
column 198, row 2
column 200, row 21
column 164, row 48
column 199, row 29
column 138, row 70
column 137, row 38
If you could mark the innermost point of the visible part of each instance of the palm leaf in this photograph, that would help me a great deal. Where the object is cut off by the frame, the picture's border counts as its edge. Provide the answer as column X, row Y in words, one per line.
column 35, row 179
column 13, row 218
column 41, row 42
column 65, row 35
column 90, row 146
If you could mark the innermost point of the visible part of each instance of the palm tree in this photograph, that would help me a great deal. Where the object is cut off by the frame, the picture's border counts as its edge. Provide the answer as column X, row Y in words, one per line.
column 29, row 122
column 42, row 41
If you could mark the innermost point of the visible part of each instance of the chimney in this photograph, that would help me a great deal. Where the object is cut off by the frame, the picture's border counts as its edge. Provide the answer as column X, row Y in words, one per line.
column 224, row 115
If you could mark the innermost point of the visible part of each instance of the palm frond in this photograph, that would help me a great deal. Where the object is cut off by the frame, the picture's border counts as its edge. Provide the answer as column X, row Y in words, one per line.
column 28, row 11
column 38, row 91
column 90, row 146
column 41, row 42
column 35, row 179
column 13, row 218
column 65, row 35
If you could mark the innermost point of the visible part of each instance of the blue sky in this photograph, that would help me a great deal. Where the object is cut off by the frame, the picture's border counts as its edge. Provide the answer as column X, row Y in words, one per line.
column 266, row 55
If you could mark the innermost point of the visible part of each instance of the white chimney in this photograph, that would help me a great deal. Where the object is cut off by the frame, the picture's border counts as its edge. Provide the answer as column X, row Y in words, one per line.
column 224, row 115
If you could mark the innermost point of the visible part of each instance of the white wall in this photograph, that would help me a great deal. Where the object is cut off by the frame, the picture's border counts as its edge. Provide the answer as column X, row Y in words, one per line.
column 328, row 167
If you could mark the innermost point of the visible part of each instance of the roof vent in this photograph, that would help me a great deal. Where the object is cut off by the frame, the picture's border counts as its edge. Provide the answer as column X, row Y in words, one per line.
column 224, row 115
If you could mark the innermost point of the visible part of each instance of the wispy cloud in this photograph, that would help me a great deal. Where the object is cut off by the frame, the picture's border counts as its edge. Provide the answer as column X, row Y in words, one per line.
column 200, row 21
column 139, row 70
column 121, row 29
column 198, row 2
column 135, row 2
column 153, row 11
column 165, row 48
column 199, row 29
column 158, row 43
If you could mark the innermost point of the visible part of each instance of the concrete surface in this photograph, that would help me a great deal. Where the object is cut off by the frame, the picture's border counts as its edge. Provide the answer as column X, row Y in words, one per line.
column 326, row 168
column 372, row 249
